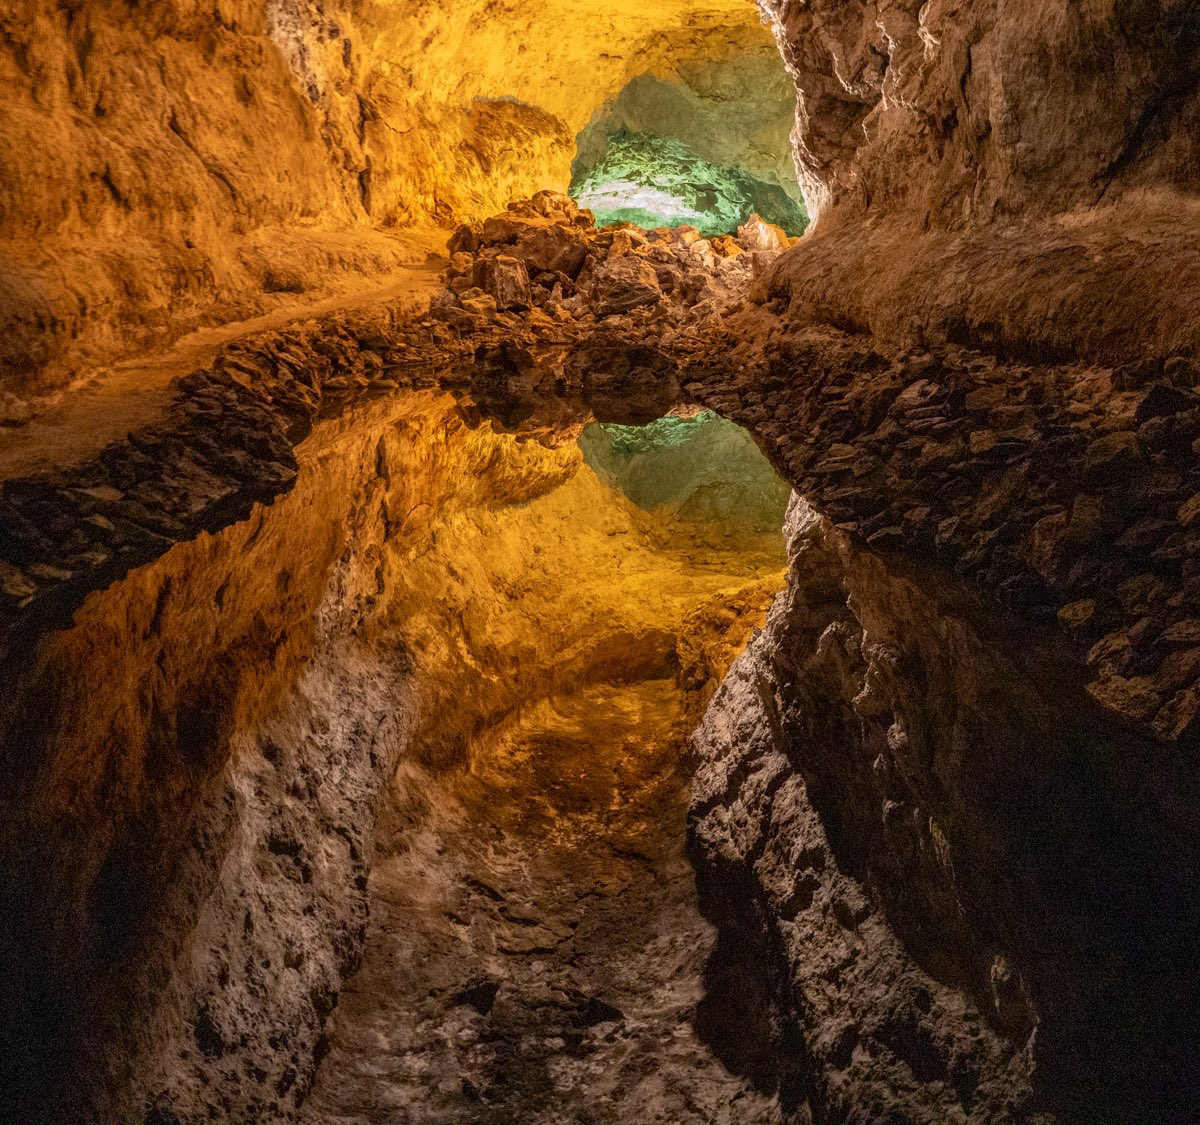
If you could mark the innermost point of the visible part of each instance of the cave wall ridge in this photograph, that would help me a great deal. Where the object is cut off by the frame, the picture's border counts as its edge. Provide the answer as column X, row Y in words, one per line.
column 963, row 111
column 923, row 828
column 1016, row 177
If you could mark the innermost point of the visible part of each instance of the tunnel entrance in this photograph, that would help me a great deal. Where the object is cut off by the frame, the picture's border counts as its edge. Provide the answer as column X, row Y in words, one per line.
column 653, row 181
column 536, row 952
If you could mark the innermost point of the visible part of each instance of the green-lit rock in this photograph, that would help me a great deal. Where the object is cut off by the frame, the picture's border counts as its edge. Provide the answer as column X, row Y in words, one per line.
column 658, row 181
column 705, row 468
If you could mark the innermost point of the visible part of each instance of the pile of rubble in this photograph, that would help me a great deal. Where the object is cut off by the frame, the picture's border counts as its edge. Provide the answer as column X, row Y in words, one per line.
column 545, row 258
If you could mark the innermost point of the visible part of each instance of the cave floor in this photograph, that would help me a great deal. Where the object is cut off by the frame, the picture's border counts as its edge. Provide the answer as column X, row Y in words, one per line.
column 113, row 401
column 536, row 951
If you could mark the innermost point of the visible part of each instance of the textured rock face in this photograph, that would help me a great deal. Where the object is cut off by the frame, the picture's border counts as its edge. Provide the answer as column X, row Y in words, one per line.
column 534, row 947
column 188, row 837
column 992, row 728
column 180, row 163
column 975, row 179
column 208, row 696
column 1062, row 494
column 163, row 159
column 703, row 468
column 962, row 880
column 733, row 110
column 991, row 327
column 958, row 112
column 946, row 800
column 708, row 146
column 538, row 366
column 650, row 181
column 530, row 957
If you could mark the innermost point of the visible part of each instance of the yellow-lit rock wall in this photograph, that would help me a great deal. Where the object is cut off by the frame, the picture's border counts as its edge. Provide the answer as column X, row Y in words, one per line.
column 175, row 162
column 196, row 762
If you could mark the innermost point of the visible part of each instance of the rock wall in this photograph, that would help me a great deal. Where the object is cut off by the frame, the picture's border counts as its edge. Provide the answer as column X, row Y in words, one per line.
column 175, row 163
column 974, row 898
column 986, row 719
column 164, row 166
column 986, row 681
column 958, row 112
column 947, row 794
column 188, row 838
column 732, row 115
column 1013, row 177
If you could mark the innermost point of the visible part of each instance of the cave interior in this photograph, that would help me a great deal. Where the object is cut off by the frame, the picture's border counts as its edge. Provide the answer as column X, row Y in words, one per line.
column 585, row 563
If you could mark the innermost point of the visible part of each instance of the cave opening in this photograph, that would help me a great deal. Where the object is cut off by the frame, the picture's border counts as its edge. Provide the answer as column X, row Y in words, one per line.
column 705, row 146
column 655, row 181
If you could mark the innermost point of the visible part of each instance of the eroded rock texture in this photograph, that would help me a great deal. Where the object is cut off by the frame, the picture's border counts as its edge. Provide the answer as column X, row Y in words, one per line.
column 711, row 142
column 996, row 738
column 989, row 329
column 943, row 813
column 974, row 909
column 180, row 163
column 1020, row 178
column 535, row 951
column 519, row 331
column 210, row 691
column 188, row 839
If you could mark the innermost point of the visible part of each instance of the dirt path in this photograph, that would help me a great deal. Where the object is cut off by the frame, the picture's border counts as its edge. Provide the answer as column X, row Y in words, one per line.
column 85, row 417
column 535, row 953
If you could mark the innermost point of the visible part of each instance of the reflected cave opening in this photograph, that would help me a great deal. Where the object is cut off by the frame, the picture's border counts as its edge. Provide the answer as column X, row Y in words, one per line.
column 547, row 870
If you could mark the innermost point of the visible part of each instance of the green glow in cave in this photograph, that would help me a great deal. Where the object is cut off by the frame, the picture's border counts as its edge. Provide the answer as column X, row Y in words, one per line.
column 706, row 468
column 655, row 181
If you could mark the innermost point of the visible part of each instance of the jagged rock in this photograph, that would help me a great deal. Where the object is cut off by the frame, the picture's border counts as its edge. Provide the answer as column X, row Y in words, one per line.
column 618, row 285
column 505, row 280
column 464, row 240
column 1163, row 401
column 676, row 179
column 546, row 238
column 1112, row 454
column 757, row 235
column 965, row 850
column 1183, row 371
column 478, row 303
column 1137, row 374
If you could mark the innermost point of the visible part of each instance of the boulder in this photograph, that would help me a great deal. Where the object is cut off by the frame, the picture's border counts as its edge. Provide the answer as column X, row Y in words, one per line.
column 725, row 246
column 618, row 285
column 478, row 303
column 757, row 234
column 555, row 249
column 555, row 205
column 465, row 240
column 1112, row 455
column 542, row 244
column 1162, row 401
column 505, row 279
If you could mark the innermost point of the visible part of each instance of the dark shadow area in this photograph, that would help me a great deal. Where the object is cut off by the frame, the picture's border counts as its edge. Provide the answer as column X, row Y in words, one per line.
column 745, row 1015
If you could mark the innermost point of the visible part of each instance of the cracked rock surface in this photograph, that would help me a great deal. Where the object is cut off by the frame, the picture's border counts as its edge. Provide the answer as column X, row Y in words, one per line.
column 536, row 953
